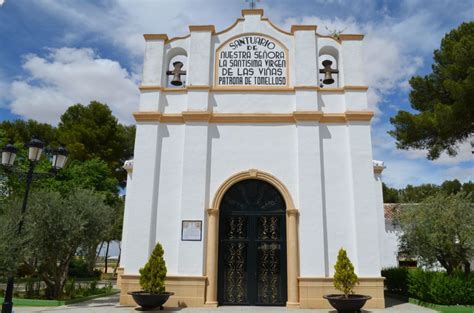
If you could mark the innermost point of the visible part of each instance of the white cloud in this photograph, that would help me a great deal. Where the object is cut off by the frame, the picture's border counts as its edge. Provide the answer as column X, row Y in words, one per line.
column 388, row 62
column 412, row 167
column 67, row 76
column 123, row 22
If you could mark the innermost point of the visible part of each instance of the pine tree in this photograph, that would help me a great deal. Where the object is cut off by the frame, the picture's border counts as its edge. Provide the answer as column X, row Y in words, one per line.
column 344, row 278
column 152, row 276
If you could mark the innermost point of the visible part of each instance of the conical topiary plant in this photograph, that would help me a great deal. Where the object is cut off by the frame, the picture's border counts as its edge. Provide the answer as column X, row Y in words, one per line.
column 152, row 276
column 344, row 278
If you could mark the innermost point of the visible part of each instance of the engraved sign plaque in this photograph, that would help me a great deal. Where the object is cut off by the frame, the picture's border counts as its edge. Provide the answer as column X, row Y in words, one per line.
column 251, row 60
column 191, row 231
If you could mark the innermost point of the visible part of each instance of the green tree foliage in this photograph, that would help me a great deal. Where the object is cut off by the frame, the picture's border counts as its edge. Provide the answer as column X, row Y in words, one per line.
column 55, row 228
column 345, row 278
column 390, row 195
column 21, row 132
column 152, row 276
column 90, row 174
column 439, row 229
column 415, row 194
column 443, row 99
column 93, row 132
column 451, row 186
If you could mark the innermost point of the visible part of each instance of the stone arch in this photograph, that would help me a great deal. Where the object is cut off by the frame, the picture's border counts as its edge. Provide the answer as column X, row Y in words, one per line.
column 330, row 52
column 173, row 55
column 291, row 241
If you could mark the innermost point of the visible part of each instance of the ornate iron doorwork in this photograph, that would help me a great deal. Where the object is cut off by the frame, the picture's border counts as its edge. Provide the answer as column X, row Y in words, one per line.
column 252, row 245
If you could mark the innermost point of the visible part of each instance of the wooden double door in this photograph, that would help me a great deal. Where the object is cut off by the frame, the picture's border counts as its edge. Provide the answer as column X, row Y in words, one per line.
column 252, row 245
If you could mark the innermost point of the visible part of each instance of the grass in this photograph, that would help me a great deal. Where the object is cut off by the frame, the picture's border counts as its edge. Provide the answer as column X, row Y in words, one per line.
column 45, row 303
column 445, row 308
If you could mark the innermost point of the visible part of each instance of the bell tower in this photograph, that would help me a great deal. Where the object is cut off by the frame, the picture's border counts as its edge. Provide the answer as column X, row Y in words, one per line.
column 284, row 115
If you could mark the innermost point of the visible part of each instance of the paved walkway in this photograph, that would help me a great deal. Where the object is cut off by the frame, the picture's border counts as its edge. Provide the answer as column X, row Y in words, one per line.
column 109, row 305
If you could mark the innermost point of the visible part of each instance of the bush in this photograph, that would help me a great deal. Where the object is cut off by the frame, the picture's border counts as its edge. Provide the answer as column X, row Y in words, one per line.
column 152, row 276
column 396, row 279
column 344, row 278
column 78, row 268
column 440, row 288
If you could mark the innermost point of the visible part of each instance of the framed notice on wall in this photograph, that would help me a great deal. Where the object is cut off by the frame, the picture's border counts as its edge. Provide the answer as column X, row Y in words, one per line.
column 191, row 231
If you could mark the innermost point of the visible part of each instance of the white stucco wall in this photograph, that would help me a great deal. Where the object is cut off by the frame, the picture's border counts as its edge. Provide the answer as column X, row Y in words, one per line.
column 326, row 167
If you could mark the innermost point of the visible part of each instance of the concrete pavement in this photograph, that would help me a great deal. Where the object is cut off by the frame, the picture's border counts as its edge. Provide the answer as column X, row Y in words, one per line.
column 110, row 305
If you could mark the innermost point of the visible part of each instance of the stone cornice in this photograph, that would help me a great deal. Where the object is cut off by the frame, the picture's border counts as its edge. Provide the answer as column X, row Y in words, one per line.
column 255, row 90
column 202, row 28
column 252, row 12
column 295, row 28
column 163, row 37
column 257, row 118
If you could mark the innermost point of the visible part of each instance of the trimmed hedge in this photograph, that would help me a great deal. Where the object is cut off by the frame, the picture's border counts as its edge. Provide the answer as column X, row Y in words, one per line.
column 396, row 279
column 431, row 287
column 439, row 288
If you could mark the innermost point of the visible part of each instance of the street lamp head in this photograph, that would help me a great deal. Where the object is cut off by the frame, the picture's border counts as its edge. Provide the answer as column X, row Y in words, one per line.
column 59, row 158
column 9, row 154
column 35, row 148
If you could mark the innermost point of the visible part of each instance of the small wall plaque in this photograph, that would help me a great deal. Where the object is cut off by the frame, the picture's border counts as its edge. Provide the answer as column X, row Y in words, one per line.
column 191, row 231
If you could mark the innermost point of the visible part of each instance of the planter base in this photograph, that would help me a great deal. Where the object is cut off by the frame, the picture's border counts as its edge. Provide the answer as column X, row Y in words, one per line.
column 149, row 301
column 352, row 304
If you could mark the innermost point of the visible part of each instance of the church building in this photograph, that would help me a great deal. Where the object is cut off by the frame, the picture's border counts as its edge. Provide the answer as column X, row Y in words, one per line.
column 253, row 167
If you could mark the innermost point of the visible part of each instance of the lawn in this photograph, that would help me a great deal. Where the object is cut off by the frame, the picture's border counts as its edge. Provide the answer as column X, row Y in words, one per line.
column 446, row 308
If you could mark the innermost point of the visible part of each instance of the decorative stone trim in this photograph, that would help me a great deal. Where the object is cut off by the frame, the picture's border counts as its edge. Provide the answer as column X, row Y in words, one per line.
column 261, row 118
column 163, row 37
column 254, row 89
column 196, row 116
column 295, row 28
column 312, row 289
column 379, row 166
column 252, row 12
column 359, row 116
column 128, row 166
column 189, row 291
column 212, row 211
column 202, row 28
column 198, row 87
column 150, row 88
column 310, row 116
column 351, row 37
column 333, row 118
column 291, row 240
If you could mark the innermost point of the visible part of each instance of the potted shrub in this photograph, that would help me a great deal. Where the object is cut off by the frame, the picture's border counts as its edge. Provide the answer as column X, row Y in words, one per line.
column 345, row 280
column 152, row 281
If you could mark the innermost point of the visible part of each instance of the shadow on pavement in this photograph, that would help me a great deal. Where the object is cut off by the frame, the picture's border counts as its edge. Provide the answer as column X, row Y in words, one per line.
column 166, row 309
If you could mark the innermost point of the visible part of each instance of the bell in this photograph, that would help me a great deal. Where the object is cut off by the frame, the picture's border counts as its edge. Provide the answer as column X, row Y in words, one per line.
column 176, row 72
column 328, row 80
column 327, row 71
column 176, row 81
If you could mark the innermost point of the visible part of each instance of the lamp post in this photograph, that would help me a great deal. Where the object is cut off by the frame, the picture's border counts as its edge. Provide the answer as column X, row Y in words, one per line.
column 35, row 149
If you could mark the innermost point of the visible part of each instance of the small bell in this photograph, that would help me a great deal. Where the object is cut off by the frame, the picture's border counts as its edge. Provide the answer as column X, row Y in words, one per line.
column 327, row 71
column 176, row 72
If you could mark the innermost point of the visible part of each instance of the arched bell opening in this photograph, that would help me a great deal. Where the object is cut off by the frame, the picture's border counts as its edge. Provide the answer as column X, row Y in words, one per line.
column 328, row 61
column 176, row 71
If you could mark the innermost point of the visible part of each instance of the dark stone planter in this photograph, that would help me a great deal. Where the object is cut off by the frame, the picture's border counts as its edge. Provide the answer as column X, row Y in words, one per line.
column 351, row 304
column 149, row 301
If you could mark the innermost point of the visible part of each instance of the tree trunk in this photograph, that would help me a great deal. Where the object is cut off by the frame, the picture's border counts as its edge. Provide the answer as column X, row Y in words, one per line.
column 106, row 257
column 118, row 260
column 91, row 256
column 467, row 267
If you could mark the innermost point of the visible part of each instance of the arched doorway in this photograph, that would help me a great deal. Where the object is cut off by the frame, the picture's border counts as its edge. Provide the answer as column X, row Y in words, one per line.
column 252, row 267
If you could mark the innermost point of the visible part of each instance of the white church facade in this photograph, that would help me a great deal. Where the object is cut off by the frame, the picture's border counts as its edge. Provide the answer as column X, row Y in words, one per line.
column 257, row 170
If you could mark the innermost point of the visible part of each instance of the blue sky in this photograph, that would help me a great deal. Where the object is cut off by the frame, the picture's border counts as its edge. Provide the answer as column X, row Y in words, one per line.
column 54, row 53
